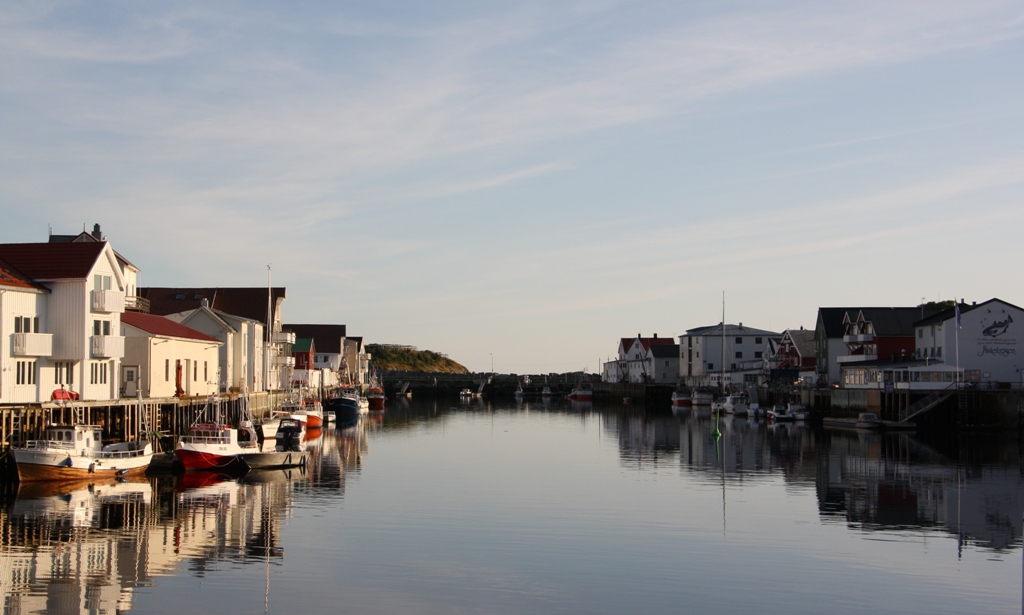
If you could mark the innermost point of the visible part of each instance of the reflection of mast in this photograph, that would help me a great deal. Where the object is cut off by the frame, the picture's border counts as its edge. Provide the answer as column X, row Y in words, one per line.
column 717, row 434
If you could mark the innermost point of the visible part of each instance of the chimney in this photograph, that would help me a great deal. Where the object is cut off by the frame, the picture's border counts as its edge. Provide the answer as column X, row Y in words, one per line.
column 96, row 232
column 205, row 302
column 655, row 336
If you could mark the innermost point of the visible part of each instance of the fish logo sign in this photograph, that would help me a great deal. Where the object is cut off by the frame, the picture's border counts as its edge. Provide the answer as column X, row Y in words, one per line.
column 998, row 328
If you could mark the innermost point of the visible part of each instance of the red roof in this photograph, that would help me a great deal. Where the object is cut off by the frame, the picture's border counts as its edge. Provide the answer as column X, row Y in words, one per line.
column 158, row 325
column 9, row 276
column 52, row 261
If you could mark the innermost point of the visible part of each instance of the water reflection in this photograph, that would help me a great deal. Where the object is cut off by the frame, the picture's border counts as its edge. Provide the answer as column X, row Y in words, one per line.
column 91, row 546
column 88, row 545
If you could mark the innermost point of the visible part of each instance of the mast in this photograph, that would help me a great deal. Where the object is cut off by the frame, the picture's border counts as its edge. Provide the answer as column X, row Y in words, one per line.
column 723, row 344
column 266, row 344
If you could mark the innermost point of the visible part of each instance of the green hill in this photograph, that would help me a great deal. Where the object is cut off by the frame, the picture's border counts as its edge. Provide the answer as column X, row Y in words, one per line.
column 406, row 358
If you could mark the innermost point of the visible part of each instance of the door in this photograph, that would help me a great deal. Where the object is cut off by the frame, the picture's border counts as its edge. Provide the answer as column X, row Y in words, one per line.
column 130, row 377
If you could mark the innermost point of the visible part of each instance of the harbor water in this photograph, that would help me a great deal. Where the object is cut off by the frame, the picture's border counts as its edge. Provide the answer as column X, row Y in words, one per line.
column 502, row 507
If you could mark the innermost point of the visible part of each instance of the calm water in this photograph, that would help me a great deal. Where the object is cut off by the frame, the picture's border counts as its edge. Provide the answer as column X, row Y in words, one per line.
column 477, row 508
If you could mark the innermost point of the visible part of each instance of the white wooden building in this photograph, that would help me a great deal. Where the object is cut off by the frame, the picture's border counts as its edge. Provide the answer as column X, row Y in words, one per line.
column 730, row 354
column 167, row 359
column 75, row 335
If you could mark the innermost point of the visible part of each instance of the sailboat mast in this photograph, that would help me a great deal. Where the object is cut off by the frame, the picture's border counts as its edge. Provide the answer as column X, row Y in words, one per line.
column 266, row 345
column 723, row 342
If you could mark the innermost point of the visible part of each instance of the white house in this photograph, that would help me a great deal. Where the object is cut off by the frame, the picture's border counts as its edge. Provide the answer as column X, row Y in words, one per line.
column 168, row 358
column 75, row 322
column 744, row 349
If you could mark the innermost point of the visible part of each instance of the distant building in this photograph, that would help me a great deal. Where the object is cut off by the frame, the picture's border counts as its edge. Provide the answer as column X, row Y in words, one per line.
column 729, row 355
column 794, row 358
column 663, row 360
column 634, row 362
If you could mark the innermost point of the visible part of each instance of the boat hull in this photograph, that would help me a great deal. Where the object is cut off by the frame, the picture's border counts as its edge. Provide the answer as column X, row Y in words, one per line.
column 40, row 465
column 193, row 459
column 274, row 459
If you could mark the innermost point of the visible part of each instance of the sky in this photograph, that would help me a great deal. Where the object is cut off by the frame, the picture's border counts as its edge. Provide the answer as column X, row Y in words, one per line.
column 520, row 185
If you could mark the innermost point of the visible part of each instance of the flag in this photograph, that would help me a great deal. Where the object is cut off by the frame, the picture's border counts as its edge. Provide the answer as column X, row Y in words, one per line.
column 959, row 318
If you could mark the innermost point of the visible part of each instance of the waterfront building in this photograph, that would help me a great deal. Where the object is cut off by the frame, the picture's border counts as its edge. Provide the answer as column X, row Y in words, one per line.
column 725, row 355
column 164, row 358
column 60, row 309
column 355, row 361
column 855, row 335
column 984, row 349
column 663, row 360
column 130, row 272
column 794, row 358
column 635, row 363
column 329, row 341
column 270, row 368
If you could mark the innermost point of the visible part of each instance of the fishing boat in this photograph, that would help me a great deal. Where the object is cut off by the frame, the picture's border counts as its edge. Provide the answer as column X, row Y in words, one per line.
column 375, row 397
column 799, row 412
column 216, row 445
column 345, row 400
column 546, row 392
column 583, row 391
column 69, row 452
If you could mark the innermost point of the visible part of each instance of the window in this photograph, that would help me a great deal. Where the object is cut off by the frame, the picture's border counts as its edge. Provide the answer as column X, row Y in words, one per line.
column 195, row 371
column 101, row 282
column 64, row 373
column 758, row 355
column 739, row 355
column 23, row 324
column 206, row 372
column 98, row 372
column 920, row 334
column 26, row 372
column 757, row 340
column 711, row 366
column 739, row 340
column 17, row 324
column 167, row 370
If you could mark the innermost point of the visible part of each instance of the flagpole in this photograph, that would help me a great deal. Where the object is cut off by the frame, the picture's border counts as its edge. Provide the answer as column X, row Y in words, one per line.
column 956, row 331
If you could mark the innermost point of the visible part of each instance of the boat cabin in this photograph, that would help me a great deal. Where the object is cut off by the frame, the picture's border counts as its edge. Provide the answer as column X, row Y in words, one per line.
column 87, row 437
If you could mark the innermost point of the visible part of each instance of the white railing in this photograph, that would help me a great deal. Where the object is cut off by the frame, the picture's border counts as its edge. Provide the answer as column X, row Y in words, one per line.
column 853, row 358
column 284, row 337
column 107, row 346
column 107, row 301
column 33, row 344
column 282, row 361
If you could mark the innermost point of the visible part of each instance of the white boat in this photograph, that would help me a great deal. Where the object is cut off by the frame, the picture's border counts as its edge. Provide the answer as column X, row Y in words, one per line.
column 284, row 451
column 779, row 413
column 701, row 397
column 546, row 392
column 76, row 451
column 736, row 405
column 868, row 420
column 799, row 412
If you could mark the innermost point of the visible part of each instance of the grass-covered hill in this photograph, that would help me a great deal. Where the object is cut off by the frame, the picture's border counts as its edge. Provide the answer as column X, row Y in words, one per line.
column 406, row 358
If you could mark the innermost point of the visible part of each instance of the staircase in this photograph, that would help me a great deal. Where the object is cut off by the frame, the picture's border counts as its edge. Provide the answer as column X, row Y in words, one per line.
column 924, row 405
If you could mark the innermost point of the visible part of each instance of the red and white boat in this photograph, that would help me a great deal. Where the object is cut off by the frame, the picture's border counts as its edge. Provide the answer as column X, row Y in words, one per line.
column 77, row 451
column 583, row 391
column 214, row 446
column 681, row 399
column 375, row 395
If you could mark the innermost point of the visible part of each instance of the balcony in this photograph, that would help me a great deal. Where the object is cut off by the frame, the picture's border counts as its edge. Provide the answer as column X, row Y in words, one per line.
column 107, row 346
column 136, row 304
column 32, row 344
column 859, row 338
column 107, row 301
column 284, row 361
column 854, row 358
column 284, row 337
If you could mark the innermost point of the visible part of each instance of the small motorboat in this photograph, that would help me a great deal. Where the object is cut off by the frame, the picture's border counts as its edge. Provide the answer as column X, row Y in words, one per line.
column 868, row 420
column 77, row 451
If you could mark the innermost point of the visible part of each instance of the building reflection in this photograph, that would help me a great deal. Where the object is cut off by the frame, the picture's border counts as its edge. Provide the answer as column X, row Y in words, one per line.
column 972, row 489
column 85, row 546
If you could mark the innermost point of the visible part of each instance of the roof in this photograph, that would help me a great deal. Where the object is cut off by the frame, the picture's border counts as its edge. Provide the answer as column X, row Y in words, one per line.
column 950, row 313
column 887, row 321
column 11, row 277
column 730, row 330
column 327, row 338
column 303, row 344
column 893, row 321
column 249, row 303
column 53, row 261
column 665, row 351
column 803, row 339
column 165, row 327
